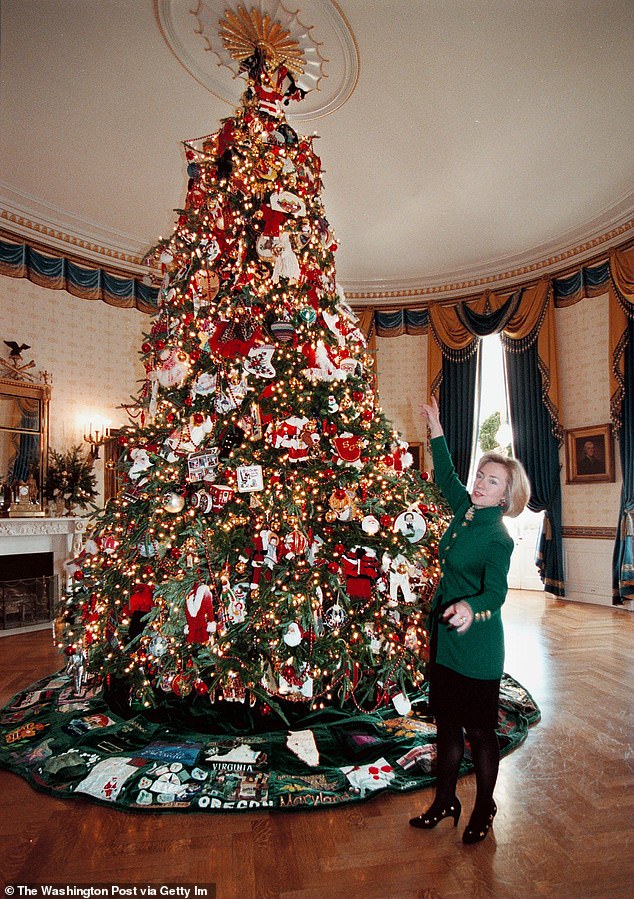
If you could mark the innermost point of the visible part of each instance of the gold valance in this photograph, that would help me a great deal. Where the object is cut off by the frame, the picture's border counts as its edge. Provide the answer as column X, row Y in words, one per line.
column 533, row 318
column 620, row 309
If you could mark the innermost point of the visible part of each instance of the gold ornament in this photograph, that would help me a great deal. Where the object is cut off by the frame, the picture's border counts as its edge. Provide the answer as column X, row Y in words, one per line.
column 243, row 32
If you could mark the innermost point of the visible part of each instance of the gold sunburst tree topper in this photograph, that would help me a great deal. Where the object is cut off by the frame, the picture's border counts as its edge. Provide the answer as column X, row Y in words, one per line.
column 267, row 52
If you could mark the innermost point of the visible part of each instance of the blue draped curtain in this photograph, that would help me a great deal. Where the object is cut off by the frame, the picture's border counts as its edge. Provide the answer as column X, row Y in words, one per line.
column 538, row 450
column 19, row 260
column 459, row 395
column 458, row 411
column 533, row 414
column 623, row 559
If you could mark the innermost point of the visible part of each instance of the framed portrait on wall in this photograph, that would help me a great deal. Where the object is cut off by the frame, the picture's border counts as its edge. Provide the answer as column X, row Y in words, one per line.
column 589, row 455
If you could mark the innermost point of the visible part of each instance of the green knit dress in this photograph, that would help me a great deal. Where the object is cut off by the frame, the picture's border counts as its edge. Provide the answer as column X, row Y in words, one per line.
column 475, row 554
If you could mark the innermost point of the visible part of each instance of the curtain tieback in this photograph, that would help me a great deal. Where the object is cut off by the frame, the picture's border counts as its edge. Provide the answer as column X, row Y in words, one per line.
column 547, row 529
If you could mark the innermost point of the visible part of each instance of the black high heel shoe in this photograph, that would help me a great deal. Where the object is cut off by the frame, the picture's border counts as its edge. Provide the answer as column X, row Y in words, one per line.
column 476, row 831
column 436, row 812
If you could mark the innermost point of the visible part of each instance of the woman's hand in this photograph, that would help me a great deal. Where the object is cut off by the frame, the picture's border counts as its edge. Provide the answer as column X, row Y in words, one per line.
column 432, row 414
column 459, row 616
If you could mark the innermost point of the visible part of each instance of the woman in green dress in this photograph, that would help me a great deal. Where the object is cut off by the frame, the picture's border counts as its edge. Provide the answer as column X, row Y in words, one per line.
column 467, row 638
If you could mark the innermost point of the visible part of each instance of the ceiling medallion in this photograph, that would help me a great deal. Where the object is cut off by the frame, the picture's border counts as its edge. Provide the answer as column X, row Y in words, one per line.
column 211, row 37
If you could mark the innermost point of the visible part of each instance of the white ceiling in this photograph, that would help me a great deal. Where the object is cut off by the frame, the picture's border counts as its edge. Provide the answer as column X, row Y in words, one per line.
column 480, row 135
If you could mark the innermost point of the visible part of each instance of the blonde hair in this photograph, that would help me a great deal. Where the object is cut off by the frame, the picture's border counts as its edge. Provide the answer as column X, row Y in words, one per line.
column 518, row 487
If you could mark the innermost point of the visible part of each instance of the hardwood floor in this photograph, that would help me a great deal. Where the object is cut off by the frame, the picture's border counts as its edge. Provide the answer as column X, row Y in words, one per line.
column 565, row 825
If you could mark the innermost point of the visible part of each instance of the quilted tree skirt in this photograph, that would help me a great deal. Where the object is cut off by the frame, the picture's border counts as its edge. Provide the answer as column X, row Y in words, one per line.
column 233, row 758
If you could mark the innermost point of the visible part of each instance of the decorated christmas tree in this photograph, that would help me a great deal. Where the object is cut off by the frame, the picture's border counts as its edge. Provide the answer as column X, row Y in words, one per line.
column 270, row 541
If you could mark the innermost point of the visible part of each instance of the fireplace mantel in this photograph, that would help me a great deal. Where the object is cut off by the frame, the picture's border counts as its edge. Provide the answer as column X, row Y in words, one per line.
column 60, row 536
column 35, row 527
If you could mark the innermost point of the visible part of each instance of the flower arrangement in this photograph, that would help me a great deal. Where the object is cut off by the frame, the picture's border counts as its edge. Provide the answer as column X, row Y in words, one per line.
column 71, row 478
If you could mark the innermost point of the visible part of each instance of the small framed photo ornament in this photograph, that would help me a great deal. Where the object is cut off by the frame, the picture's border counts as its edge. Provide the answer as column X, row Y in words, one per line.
column 250, row 478
column 202, row 466
column 411, row 525
column 589, row 455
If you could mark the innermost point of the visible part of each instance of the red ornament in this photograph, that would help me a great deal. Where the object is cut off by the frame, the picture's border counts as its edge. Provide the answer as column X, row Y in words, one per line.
column 425, row 475
column 367, row 415
column 170, row 417
column 198, row 418
column 146, row 347
column 160, row 345
column 181, row 685
column 201, row 687
column 78, row 575
column 333, row 568
column 386, row 521
column 357, row 396
column 141, row 598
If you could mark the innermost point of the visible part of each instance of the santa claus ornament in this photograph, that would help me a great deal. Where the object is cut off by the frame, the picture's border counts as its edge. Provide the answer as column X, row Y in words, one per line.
column 172, row 367
column 361, row 569
column 295, row 434
column 199, row 614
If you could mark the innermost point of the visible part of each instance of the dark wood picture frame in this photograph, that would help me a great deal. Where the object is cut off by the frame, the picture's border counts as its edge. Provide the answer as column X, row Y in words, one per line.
column 589, row 455
column 416, row 449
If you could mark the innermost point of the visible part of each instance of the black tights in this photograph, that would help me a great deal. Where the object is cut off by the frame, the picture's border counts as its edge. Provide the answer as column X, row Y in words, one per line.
column 485, row 752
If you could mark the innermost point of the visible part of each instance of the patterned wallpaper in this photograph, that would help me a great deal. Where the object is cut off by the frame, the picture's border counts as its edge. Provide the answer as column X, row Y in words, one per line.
column 89, row 348
column 402, row 376
column 582, row 336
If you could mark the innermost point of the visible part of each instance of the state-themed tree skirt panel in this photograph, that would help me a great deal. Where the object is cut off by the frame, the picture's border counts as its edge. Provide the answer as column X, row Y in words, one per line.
column 76, row 746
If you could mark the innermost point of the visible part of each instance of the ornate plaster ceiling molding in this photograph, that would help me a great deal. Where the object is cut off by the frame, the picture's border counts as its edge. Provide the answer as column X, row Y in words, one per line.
column 330, row 56
column 28, row 217
column 612, row 229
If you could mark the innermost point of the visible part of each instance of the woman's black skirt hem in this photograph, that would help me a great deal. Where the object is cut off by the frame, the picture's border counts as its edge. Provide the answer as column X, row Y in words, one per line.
column 467, row 701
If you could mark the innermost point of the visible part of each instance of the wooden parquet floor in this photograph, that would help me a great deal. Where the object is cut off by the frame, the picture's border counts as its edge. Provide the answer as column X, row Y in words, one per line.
column 565, row 826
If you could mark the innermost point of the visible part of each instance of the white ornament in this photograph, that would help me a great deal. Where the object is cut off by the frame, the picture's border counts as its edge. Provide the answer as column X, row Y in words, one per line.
column 204, row 384
column 258, row 361
column 293, row 635
column 398, row 569
column 412, row 525
column 173, row 502
column 335, row 616
column 140, row 462
column 370, row 525
column 173, row 367
column 401, row 703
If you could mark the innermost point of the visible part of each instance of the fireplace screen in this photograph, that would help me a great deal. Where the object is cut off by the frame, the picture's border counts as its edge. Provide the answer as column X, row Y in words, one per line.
column 28, row 589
